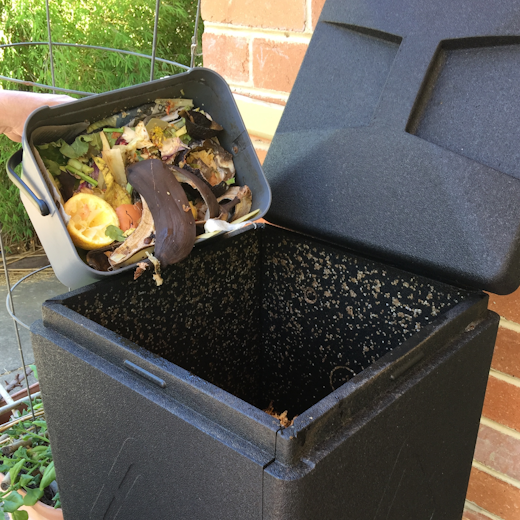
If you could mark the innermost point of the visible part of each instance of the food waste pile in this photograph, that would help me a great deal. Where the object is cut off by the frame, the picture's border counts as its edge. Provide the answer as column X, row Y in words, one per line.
column 146, row 189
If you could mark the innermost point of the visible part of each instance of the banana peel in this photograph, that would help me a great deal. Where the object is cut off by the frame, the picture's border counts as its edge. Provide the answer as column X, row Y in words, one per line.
column 175, row 230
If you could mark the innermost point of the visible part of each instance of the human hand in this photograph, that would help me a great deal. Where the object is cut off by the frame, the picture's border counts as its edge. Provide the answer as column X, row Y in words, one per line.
column 16, row 106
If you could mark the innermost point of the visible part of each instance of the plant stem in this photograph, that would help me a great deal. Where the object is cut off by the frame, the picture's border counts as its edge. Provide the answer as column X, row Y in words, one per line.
column 34, row 436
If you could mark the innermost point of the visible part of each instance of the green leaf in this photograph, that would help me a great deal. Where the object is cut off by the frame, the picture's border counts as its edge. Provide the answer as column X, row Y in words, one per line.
column 25, row 479
column 12, row 502
column 52, row 166
column 32, row 496
column 51, row 153
column 49, row 475
column 20, row 515
column 96, row 144
column 16, row 469
column 115, row 233
column 35, row 371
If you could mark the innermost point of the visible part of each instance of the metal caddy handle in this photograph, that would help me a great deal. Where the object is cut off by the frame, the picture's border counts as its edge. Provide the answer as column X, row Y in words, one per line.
column 12, row 163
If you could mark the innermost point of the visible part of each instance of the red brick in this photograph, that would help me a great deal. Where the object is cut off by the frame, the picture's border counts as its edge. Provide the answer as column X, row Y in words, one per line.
column 274, row 14
column 498, row 451
column 316, row 7
column 261, row 154
column 502, row 403
column 276, row 64
column 507, row 352
column 507, row 306
column 494, row 495
column 471, row 515
column 227, row 55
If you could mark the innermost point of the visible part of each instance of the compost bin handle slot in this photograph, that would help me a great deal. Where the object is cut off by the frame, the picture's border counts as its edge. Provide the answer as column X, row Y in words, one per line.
column 12, row 163
column 144, row 373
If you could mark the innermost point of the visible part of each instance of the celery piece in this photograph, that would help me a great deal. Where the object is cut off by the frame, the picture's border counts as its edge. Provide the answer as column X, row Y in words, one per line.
column 80, row 166
column 82, row 175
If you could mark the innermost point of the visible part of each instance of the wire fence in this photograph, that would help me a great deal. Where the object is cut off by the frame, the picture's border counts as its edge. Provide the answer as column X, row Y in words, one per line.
column 153, row 58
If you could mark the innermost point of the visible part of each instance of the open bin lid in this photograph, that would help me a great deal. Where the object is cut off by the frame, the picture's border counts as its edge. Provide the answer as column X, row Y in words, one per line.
column 401, row 138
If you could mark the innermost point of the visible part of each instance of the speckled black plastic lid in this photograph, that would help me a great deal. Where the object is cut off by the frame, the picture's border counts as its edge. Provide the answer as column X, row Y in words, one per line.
column 401, row 138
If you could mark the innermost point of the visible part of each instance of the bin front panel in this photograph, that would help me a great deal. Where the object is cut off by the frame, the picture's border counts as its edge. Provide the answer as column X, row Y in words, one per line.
column 122, row 450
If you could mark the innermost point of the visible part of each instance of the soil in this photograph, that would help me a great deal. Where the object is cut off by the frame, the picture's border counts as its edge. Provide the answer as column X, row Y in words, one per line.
column 47, row 497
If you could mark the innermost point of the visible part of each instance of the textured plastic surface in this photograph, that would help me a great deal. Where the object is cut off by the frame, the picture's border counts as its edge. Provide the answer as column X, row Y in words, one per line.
column 205, row 87
column 385, row 370
column 400, row 138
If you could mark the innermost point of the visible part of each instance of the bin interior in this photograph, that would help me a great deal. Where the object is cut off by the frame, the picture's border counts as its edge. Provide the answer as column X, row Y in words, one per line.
column 270, row 316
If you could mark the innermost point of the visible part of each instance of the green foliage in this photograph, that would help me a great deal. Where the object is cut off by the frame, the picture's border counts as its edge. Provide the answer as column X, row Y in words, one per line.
column 30, row 466
column 16, row 226
column 119, row 24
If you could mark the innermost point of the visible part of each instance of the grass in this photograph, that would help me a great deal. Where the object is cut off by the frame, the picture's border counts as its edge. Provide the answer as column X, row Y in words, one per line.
column 17, row 231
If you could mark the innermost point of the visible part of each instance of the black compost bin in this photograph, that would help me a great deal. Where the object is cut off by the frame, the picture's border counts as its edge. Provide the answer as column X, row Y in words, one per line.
column 154, row 395
column 358, row 311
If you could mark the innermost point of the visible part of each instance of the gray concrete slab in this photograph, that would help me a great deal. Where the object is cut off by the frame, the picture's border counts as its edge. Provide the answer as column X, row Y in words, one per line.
column 27, row 299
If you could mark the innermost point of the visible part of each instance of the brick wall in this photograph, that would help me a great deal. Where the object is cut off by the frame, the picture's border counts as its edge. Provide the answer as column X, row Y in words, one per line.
column 494, row 488
column 258, row 47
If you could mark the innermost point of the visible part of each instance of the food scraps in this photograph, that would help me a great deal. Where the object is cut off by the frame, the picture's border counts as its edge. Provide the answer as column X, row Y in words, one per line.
column 285, row 422
column 141, row 185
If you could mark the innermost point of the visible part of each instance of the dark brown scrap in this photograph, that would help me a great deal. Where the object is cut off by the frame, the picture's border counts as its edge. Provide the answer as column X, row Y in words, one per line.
column 186, row 177
column 98, row 258
column 174, row 228
column 199, row 126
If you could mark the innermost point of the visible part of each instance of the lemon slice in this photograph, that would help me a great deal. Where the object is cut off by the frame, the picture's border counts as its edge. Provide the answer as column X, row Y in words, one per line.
column 89, row 217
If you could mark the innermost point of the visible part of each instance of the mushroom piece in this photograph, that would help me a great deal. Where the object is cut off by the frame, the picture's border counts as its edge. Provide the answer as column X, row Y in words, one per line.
column 174, row 223
column 140, row 239
column 185, row 177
